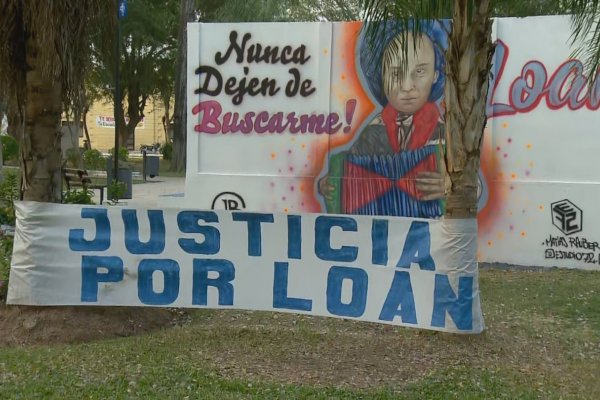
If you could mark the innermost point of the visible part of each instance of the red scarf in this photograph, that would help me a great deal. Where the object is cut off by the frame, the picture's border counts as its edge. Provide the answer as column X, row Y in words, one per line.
column 425, row 121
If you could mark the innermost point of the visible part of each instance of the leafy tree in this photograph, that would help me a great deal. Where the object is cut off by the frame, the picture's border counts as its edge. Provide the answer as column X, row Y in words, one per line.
column 165, row 90
column 251, row 11
column 44, row 47
column 328, row 10
column 147, row 51
column 528, row 8
column 287, row 10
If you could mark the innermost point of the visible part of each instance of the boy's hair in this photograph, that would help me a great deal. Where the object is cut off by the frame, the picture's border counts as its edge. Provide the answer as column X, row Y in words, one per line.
column 392, row 52
column 372, row 58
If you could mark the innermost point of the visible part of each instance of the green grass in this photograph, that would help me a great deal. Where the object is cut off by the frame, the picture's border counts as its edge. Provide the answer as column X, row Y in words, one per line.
column 126, row 368
column 542, row 341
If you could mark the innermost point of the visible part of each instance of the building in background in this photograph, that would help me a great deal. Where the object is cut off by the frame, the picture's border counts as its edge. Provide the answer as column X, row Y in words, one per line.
column 101, row 127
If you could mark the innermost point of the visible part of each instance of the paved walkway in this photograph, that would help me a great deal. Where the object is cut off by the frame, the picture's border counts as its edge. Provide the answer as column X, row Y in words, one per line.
column 148, row 194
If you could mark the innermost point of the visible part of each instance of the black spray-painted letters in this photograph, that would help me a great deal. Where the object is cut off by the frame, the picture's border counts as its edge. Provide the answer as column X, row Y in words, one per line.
column 212, row 83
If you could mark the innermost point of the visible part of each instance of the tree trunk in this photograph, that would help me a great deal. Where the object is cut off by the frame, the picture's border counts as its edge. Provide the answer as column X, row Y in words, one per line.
column 180, row 114
column 88, row 142
column 166, row 119
column 136, row 104
column 14, row 118
column 468, row 62
column 128, row 132
column 123, row 133
column 40, row 148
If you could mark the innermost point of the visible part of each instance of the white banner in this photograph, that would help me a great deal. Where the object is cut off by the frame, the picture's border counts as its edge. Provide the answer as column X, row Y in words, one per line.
column 401, row 271
column 109, row 122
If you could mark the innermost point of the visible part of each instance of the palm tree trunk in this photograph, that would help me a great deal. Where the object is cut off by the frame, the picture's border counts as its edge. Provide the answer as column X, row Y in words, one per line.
column 468, row 62
column 40, row 149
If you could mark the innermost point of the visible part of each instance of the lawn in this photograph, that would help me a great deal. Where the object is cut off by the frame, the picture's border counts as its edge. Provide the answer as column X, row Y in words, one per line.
column 542, row 341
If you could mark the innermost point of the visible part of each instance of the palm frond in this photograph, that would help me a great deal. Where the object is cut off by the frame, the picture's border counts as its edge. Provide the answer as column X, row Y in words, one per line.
column 405, row 19
column 62, row 28
column 585, row 36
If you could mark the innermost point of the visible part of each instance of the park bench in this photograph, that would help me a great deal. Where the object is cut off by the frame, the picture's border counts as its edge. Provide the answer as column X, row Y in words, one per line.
column 79, row 178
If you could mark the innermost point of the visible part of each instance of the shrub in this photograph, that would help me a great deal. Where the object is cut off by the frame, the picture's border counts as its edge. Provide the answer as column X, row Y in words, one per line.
column 73, row 157
column 9, row 192
column 6, row 246
column 123, row 153
column 93, row 159
column 10, row 148
column 74, row 196
column 116, row 190
column 167, row 151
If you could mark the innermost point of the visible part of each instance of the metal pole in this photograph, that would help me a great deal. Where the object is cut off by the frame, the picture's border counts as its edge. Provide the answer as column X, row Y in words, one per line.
column 117, row 99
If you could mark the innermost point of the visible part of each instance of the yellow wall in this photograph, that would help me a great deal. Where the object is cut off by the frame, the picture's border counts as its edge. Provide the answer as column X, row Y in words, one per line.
column 103, row 138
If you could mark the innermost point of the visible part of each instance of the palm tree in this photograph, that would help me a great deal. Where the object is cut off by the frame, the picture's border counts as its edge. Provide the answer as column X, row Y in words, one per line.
column 44, row 51
column 585, row 18
column 468, row 62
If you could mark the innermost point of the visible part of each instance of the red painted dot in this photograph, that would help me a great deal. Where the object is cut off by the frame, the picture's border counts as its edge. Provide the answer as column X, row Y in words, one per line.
column 292, row 188
column 509, row 140
column 498, row 148
column 291, row 169
column 289, row 151
column 505, row 155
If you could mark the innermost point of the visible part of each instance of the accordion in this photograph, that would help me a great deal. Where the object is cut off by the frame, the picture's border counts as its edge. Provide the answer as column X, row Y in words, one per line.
column 382, row 184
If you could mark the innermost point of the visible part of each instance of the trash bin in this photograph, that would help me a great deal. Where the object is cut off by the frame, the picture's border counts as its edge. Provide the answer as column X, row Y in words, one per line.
column 124, row 174
column 151, row 164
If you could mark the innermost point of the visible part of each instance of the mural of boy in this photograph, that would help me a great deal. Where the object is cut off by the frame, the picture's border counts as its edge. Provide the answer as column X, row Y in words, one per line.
column 394, row 165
